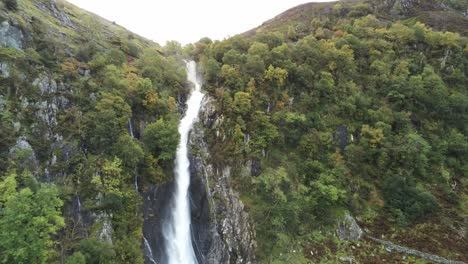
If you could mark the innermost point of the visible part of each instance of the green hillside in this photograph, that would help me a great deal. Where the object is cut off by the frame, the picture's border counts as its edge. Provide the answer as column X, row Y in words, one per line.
column 71, row 85
column 345, row 107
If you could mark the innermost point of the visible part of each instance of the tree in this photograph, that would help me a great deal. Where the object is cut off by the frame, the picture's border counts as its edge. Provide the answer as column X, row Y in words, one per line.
column 402, row 194
column 326, row 85
column 264, row 134
column 413, row 153
column 292, row 34
column 7, row 135
column 76, row 258
column 233, row 57
column 255, row 67
column 128, row 150
column 97, row 252
column 28, row 223
column 242, row 103
column 258, row 49
column 162, row 138
column 276, row 75
column 107, row 122
column 109, row 178
column 231, row 77
column 212, row 69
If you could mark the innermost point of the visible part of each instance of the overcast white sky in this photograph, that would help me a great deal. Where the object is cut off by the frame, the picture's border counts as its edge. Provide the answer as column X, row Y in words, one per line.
column 188, row 20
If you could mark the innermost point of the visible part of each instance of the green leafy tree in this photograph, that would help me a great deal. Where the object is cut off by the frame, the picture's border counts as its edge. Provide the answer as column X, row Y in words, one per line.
column 264, row 134
column 413, row 154
column 128, row 150
column 231, row 77
column 162, row 138
column 109, row 178
column 107, row 122
column 97, row 252
column 212, row 69
column 276, row 75
column 258, row 49
column 76, row 258
column 402, row 194
column 242, row 103
column 28, row 223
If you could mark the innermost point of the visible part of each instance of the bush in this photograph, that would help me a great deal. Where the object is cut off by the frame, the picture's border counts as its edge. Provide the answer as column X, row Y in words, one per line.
column 97, row 252
column 76, row 258
column 400, row 193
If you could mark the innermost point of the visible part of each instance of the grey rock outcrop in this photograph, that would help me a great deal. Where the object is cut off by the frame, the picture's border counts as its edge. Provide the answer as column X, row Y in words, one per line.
column 4, row 70
column 10, row 36
column 231, row 237
column 23, row 149
column 2, row 102
column 46, row 85
column 348, row 229
column 22, row 144
column 51, row 8
column 409, row 251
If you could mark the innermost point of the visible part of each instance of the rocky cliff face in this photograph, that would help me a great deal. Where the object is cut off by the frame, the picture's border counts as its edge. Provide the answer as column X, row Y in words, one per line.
column 222, row 230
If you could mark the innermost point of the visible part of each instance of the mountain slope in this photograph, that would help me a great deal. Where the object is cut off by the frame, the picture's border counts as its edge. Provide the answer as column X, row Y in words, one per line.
column 347, row 108
column 439, row 15
column 76, row 94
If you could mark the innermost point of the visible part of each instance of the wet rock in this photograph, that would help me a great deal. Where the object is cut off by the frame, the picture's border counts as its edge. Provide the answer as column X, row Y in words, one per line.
column 10, row 36
column 255, row 167
column 348, row 229
column 341, row 136
column 156, row 202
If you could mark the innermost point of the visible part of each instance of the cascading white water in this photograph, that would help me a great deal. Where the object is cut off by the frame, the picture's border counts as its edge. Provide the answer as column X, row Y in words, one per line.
column 177, row 233
column 149, row 251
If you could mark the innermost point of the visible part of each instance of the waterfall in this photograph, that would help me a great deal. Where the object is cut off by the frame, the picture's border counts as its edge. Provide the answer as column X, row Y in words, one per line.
column 78, row 202
column 177, row 232
column 132, row 134
column 130, row 128
column 149, row 251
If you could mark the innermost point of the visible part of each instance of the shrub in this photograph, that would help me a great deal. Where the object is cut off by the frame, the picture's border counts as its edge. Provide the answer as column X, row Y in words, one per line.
column 401, row 193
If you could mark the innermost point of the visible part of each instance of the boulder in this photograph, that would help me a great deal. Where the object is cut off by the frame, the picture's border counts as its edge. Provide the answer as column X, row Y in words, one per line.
column 348, row 229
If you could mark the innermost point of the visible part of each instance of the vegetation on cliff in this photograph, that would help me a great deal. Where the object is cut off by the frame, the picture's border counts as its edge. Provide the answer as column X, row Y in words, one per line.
column 343, row 110
column 77, row 96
